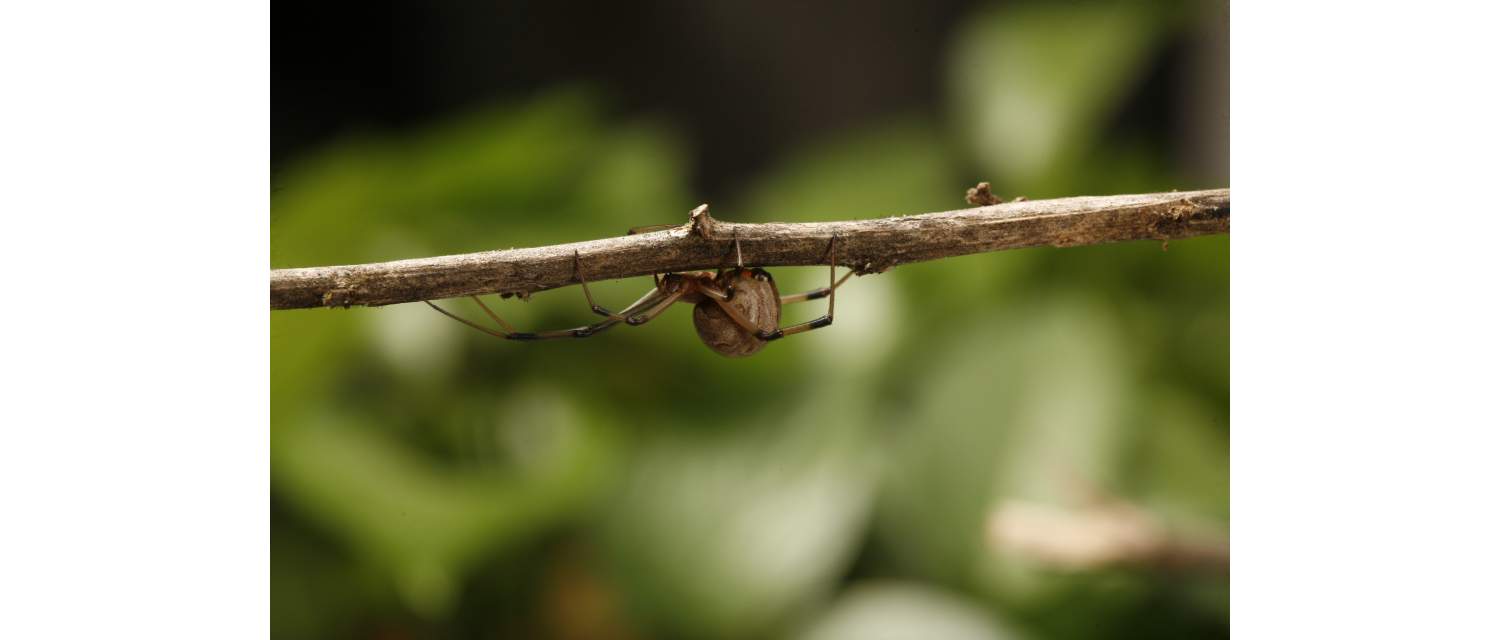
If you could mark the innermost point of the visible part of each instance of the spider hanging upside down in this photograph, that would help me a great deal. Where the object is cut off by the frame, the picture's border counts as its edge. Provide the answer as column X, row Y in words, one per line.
column 736, row 311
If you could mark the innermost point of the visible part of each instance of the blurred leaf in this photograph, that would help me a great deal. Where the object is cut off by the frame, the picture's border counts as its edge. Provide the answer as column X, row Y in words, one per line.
column 1185, row 449
column 1026, row 413
column 882, row 169
column 1033, row 82
column 422, row 523
column 313, row 592
column 725, row 536
column 904, row 611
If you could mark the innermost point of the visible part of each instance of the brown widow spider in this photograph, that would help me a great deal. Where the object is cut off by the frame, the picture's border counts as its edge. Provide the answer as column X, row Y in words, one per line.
column 736, row 311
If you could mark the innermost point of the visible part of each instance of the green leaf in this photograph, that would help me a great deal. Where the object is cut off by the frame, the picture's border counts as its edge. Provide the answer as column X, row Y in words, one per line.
column 902, row 611
column 727, row 535
column 1033, row 84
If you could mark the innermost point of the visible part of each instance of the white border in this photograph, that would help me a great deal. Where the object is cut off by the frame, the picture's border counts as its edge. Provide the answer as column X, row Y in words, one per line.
column 134, row 463
column 1364, row 283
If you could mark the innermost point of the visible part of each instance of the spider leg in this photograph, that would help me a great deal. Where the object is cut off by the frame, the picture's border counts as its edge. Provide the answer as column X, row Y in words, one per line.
column 504, row 333
column 815, row 293
column 650, row 314
column 578, row 273
column 739, row 258
column 820, row 322
column 721, row 299
column 639, row 312
column 632, row 315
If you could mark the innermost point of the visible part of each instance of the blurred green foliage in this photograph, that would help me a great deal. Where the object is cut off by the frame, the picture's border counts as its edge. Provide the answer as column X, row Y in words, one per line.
column 431, row 481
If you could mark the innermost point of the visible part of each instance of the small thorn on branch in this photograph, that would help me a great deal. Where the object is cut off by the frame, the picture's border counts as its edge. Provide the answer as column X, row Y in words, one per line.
column 979, row 195
column 703, row 224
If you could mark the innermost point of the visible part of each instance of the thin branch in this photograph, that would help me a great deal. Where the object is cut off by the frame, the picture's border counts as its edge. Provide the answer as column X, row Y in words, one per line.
column 867, row 246
column 1103, row 535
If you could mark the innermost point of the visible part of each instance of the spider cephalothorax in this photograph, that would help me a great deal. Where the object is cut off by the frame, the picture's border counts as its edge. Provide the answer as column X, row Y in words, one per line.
column 736, row 311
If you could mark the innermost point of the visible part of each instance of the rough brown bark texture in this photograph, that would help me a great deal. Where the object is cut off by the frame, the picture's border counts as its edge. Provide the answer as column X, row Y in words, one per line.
column 867, row 246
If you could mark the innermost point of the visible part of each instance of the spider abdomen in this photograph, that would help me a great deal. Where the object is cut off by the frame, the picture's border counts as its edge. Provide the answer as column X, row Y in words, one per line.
column 755, row 297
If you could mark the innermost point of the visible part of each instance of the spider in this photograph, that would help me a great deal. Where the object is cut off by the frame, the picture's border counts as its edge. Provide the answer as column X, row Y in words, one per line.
column 736, row 311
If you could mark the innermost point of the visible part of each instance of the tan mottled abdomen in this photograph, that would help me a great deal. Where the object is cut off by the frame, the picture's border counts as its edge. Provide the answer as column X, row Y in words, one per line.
column 755, row 298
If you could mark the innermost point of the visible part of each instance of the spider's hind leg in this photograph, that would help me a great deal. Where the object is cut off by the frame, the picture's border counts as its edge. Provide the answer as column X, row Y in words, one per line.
column 827, row 318
column 820, row 292
column 648, row 307
column 593, row 306
column 639, row 312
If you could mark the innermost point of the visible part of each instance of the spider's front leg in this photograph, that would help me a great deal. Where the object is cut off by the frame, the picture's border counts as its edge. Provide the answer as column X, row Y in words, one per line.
column 820, row 292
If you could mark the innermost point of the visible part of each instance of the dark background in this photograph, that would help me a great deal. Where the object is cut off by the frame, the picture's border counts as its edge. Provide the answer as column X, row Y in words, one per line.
column 750, row 80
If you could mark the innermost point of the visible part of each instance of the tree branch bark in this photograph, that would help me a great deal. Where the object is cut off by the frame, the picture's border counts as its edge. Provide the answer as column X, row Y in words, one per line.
column 867, row 246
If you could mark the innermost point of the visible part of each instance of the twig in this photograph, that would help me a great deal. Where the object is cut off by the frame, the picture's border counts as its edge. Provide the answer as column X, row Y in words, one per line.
column 1101, row 536
column 867, row 246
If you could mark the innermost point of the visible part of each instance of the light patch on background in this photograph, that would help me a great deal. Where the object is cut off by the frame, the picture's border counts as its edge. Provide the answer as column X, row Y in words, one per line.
column 1030, row 130
column 1031, row 82
column 791, row 531
column 417, row 341
column 867, row 319
column 427, row 587
column 533, row 424
column 896, row 610
column 1069, row 416
column 740, row 531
